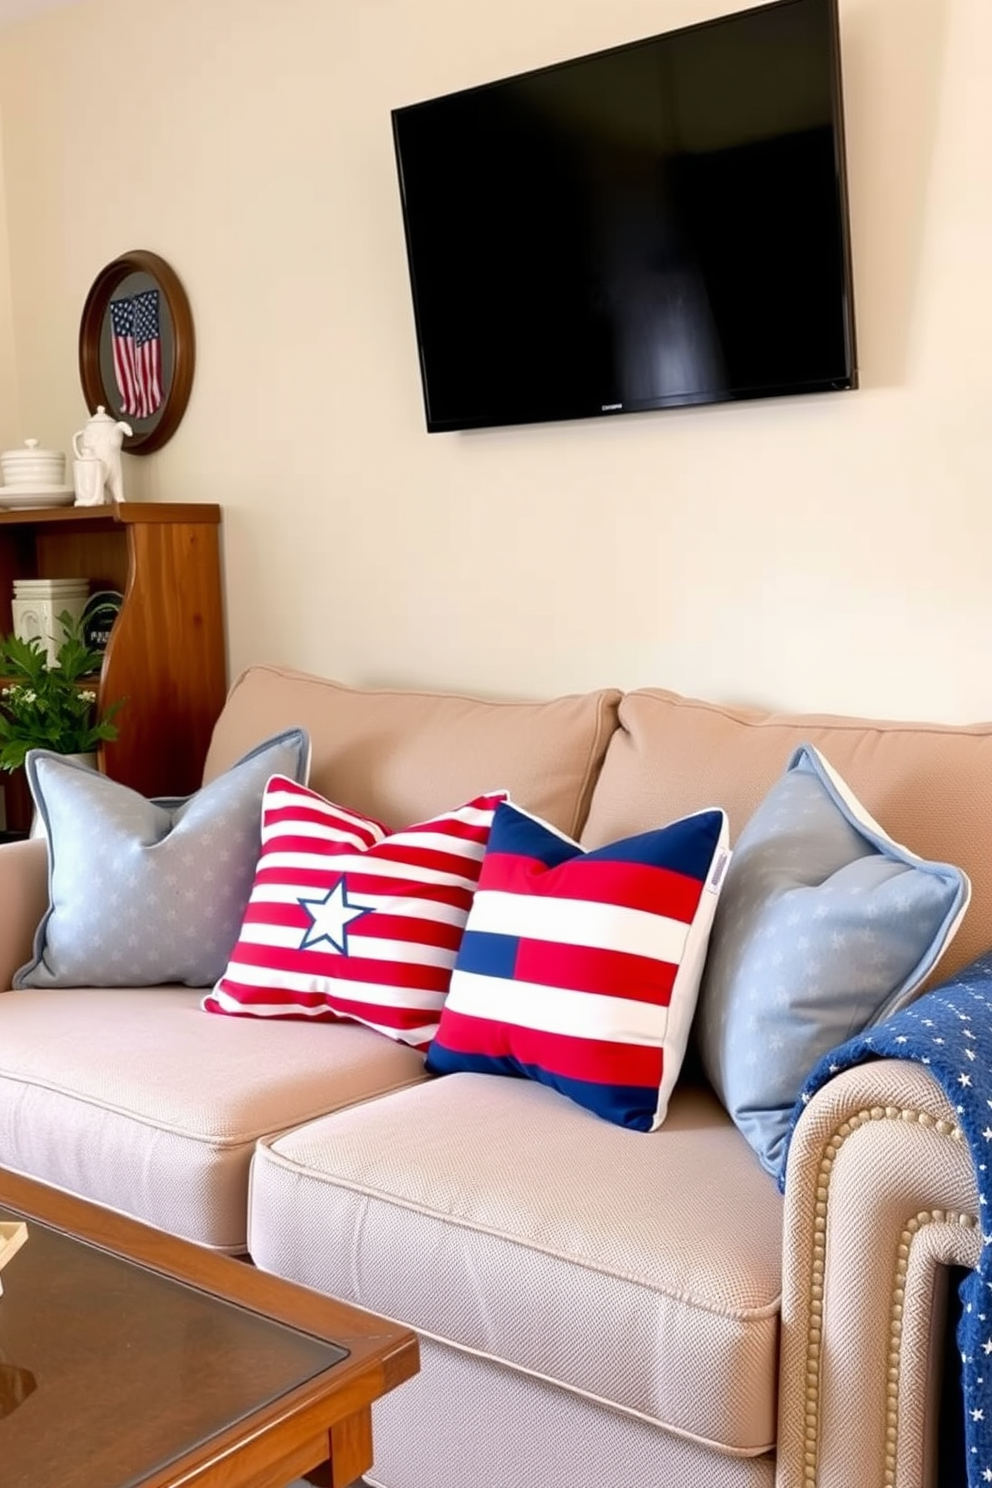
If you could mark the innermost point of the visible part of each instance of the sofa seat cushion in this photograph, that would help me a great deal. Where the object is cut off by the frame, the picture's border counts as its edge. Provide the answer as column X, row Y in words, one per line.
column 497, row 1216
column 136, row 1099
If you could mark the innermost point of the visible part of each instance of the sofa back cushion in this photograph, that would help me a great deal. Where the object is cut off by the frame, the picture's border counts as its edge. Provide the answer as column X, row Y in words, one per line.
column 929, row 785
column 401, row 756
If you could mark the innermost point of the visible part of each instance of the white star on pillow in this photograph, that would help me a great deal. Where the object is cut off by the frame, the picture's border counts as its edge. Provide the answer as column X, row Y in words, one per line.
column 330, row 917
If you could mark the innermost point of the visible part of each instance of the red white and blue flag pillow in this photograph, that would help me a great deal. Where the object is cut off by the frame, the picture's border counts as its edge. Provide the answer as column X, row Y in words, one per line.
column 349, row 920
column 581, row 969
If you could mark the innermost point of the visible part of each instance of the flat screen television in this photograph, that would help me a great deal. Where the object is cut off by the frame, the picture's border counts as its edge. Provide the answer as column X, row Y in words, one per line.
column 660, row 224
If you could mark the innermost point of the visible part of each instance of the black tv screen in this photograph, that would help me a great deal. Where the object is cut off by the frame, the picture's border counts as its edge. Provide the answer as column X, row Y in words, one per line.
column 660, row 224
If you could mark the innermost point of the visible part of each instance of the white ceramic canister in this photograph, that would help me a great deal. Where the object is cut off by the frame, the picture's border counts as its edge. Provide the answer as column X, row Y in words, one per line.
column 30, row 466
column 37, row 605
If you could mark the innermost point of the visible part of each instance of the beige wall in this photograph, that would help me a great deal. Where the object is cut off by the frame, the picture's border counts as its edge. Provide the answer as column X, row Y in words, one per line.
column 831, row 551
column 9, row 396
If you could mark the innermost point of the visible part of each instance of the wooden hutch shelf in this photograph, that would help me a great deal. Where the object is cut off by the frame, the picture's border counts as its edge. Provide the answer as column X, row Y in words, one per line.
column 167, row 652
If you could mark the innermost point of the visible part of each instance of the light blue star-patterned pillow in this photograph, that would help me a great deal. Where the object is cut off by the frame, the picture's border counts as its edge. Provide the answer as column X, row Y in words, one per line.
column 141, row 891
column 825, row 925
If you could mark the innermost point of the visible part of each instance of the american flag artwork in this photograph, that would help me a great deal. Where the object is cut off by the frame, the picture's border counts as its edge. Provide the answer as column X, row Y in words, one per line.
column 137, row 348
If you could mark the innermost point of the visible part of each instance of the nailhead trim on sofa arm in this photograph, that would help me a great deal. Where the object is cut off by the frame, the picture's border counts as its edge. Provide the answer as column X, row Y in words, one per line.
column 876, row 1113
column 948, row 1233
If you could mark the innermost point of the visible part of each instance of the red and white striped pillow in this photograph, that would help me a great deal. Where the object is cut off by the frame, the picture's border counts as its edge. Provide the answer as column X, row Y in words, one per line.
column 581, row 969
column 348, row 920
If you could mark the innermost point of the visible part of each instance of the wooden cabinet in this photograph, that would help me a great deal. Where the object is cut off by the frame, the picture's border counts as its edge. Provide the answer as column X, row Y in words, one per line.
column 167, row 652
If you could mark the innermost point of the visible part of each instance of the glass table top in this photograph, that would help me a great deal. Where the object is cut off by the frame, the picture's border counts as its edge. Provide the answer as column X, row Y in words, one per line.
column 110, row 1371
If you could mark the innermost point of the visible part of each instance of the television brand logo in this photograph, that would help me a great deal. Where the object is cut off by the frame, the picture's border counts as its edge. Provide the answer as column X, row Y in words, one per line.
column 610, row 407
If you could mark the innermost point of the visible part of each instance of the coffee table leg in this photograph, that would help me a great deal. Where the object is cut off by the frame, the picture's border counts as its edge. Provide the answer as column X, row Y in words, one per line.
column 351, row 1452
column 351, row 1448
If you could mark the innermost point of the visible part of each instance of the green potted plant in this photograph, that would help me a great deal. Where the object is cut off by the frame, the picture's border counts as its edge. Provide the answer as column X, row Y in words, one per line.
column 47, row 705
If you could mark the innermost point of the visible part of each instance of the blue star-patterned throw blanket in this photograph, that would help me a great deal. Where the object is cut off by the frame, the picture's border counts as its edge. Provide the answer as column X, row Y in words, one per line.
column 950, row 1031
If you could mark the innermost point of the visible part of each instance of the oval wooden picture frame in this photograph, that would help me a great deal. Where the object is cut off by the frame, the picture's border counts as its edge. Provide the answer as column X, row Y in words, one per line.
column 138, row 271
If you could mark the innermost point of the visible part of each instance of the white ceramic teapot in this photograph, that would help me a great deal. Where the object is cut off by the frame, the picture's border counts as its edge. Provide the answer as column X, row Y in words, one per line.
column 103, row 437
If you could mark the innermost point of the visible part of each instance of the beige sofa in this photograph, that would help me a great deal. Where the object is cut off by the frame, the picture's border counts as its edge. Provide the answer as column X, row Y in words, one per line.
column 596, row 1306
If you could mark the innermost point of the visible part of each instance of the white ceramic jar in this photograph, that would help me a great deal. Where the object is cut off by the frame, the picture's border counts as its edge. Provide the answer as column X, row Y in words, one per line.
column 32, row 467
column 37, row 605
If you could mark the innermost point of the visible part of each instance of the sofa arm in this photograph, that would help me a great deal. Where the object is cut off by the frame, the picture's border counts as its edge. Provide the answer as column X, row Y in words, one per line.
column 880, row 1197
column 23, row 901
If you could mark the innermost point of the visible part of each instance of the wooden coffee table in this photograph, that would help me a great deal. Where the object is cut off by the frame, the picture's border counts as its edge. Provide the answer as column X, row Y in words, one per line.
column 130, row 1359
